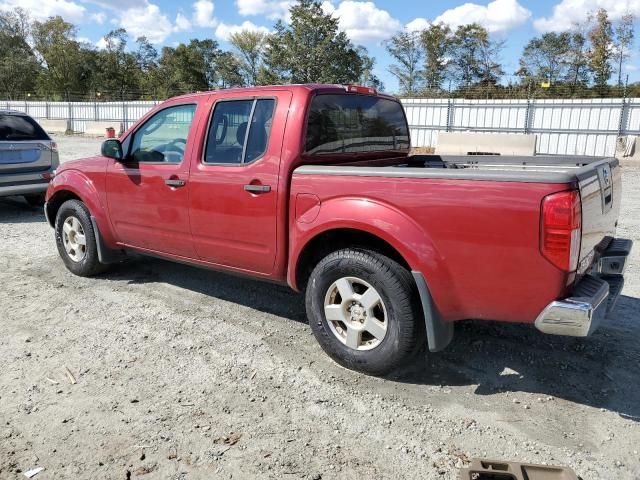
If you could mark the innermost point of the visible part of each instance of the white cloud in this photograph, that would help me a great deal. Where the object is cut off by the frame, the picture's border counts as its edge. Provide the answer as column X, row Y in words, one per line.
column 225, row 31
column 101, row 44
column 417, row 25
column 203, row 14
column 272, row 9
column 43, row 9
column 182, row 23
column 496, row 16
column 568, row 12
column 363, row 21
column 99, row 17
column 148, row 21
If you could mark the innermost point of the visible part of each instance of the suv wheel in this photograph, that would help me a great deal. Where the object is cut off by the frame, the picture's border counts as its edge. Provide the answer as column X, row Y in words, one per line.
column 76, row 239
column 363, row 311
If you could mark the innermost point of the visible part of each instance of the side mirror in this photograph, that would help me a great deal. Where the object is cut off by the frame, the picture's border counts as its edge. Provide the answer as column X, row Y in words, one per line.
column 112, row 148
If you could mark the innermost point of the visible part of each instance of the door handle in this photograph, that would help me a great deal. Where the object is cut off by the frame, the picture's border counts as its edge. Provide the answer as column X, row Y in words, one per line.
column 175, row 182
column 257, row 188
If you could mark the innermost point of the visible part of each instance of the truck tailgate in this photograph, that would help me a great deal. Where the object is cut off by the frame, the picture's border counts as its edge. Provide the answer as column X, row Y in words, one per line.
column 600, row 193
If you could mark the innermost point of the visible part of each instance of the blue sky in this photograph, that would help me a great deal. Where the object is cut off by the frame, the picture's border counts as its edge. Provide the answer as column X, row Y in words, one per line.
column 367, row 23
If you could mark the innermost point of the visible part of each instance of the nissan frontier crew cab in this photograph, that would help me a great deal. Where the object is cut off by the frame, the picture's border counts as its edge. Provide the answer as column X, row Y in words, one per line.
column 313, row 186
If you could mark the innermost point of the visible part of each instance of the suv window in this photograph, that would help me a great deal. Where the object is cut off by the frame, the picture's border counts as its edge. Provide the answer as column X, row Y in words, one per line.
column 355, row 123
column 163, row 138
column 20, row 127
column 239, row 131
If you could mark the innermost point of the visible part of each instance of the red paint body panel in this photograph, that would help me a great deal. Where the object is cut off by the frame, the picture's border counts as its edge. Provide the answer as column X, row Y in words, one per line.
column 476, row 242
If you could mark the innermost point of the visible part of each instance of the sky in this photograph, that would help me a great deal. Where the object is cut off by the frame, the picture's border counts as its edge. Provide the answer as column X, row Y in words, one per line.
column 367, row 23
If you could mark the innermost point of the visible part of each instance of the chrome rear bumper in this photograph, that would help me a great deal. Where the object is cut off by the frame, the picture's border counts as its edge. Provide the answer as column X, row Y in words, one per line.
column 593, row 297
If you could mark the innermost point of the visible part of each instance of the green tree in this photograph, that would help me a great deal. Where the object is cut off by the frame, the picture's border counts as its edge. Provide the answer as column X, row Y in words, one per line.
column 367, row 77
column 228, row 71
column 578, row 62
column 310, row 49
column 436, row 42
column 600, row 54
column 624, row 39
column 475, row 56
column 406, row 50
column 118, row 69
column 146, row 57
column 18, row 64
column 546, row 58
column 188, row 68
column 65, row 69
column 250, row 48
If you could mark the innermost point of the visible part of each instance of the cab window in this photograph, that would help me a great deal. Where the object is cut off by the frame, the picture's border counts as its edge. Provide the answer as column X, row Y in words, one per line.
column 239, row 131
column 163, row 138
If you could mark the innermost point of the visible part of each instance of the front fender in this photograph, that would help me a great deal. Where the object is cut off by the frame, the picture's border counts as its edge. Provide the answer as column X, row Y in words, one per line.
column 384, row 221
column 82, row 186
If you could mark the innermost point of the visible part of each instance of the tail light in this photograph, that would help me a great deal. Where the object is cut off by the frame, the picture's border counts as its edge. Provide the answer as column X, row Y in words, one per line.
column 561, row 229
column 361, row 90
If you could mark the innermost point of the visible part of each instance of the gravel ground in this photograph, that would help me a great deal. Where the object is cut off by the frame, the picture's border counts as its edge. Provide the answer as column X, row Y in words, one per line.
column 183, row 373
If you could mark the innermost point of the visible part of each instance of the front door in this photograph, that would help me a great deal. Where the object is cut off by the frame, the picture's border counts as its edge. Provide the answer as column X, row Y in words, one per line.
column 148, row 192
column 234, row 185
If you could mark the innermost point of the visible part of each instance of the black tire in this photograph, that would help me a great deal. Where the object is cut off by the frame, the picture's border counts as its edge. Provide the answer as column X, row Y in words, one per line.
column 35, row 200
column 89, row 265
column 395, row 286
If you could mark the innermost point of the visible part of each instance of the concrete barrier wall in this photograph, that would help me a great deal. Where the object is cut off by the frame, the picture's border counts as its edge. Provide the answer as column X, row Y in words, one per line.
column 54, row 126
column 466, row 143
column 100, row 128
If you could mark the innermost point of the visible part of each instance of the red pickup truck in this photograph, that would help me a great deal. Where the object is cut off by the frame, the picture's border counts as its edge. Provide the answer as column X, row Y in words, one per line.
column 313, row 185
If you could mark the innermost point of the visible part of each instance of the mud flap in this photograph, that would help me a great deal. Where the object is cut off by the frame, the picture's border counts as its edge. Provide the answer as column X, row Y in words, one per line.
column 105, row 254
column 439, row 333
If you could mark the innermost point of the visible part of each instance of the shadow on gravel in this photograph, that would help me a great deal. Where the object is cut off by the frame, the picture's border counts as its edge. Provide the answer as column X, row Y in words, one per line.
column 17, row 210
column 599, row 371
column 262, row 296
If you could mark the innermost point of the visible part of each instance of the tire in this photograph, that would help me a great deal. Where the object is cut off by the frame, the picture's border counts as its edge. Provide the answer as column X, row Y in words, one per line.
column 377, row 351
column 35, row 200
column 79, row 259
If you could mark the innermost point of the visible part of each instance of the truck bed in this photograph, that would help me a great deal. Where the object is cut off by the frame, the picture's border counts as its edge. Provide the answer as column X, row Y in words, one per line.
column 538, row 169
column 492, row 194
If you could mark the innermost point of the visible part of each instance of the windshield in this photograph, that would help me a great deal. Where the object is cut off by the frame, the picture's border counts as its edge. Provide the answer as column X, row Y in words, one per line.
column 20, row 127
column 355, row 123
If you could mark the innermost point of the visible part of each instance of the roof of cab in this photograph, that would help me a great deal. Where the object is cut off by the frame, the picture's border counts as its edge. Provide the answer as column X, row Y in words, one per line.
column 310, row 87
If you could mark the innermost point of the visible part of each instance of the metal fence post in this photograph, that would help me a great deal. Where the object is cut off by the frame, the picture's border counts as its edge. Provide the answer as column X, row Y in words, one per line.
column 449, row 114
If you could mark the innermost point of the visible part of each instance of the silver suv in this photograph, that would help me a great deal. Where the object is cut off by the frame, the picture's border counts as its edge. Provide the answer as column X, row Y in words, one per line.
column 28, row 157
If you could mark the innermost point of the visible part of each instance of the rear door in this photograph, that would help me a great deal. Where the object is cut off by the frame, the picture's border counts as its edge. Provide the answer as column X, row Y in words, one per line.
column 24, row 145
column 234, row 182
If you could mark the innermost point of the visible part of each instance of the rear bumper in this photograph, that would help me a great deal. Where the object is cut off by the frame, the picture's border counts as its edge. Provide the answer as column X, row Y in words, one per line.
column 593, row 297
column 24, row 189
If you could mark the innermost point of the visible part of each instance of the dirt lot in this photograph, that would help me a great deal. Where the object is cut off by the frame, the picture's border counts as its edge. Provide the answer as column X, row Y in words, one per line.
column 188, row 374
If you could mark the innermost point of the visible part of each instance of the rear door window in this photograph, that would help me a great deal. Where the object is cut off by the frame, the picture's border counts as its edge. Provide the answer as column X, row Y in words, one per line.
column 239, row 131
column 355, row 123
column 15, row 128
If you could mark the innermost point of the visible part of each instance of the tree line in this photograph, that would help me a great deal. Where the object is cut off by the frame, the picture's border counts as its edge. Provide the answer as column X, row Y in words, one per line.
column 46, row 60
column 466, row 61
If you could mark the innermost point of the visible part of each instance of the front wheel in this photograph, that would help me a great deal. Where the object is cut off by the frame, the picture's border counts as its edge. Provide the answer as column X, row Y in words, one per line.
column 363, row 310
column 76, row 239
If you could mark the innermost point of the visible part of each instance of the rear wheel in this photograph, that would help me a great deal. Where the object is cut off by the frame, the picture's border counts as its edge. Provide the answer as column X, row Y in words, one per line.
column 76, row 239
column 363, row 311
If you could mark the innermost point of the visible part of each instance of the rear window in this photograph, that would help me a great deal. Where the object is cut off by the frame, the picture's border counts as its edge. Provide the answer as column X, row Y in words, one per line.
column 355, row 123
column 19, row 127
